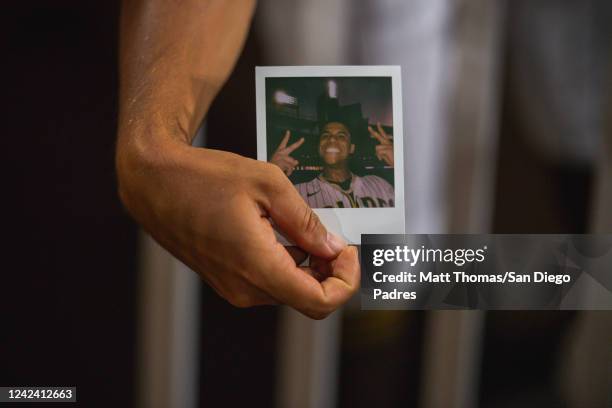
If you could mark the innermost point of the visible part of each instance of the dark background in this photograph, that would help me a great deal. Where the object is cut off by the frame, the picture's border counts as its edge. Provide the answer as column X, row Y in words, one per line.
column 68, row 287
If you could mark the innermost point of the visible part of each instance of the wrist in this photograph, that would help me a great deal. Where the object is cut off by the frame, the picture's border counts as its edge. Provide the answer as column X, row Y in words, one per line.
column 140, row 155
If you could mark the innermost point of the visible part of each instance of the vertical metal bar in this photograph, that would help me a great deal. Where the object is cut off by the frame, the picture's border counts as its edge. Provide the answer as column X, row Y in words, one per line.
column 185, row 345
column 454, row 338
column 169, row 330
column 307, row 373
column 154, row 317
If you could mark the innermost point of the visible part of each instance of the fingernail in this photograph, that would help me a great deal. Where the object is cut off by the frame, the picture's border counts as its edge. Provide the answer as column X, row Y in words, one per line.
column 335, row 242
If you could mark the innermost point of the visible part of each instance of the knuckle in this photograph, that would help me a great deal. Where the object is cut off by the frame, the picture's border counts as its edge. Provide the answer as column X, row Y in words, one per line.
column 274, row 174
column 276, row 180
column 323, row 308
column 320, row 312
column 240, row 300
column 317, row 315
column 270, row 176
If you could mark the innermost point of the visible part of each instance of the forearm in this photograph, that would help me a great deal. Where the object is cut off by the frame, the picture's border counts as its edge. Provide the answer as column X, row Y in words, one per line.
column 174, row 58
column 209, row 208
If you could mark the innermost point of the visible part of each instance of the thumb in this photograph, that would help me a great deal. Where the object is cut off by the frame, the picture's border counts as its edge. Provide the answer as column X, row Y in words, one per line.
column 301, row 225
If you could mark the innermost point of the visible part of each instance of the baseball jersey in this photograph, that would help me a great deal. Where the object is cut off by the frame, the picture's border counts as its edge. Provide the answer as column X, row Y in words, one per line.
column 364, row 192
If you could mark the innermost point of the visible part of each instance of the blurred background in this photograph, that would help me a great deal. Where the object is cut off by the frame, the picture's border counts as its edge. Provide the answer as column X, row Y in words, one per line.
column 506, row 112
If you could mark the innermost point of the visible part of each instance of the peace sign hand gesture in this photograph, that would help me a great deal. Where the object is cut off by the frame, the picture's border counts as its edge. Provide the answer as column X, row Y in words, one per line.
column 384, row 151
column 281, row 156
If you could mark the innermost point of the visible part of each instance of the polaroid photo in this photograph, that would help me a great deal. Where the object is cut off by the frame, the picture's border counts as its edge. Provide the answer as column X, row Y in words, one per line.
column 336, row 132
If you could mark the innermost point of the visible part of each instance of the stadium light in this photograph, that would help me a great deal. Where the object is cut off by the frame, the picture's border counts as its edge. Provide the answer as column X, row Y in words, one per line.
column 332, row 89
column 282, row 98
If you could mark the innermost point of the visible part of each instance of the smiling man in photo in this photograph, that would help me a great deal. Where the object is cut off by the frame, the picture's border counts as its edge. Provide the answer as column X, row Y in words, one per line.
column 337, row 186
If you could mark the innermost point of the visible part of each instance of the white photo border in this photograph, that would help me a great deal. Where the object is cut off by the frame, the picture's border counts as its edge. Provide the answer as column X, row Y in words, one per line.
column 349, row 223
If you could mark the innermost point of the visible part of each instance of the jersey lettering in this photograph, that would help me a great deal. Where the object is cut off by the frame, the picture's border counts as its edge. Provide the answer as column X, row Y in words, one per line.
column 367, row 192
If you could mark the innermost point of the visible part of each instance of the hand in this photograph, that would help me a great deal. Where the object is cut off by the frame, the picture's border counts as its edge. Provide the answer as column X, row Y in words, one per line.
column 384, row 151
column 281, row 156
column 213, row 211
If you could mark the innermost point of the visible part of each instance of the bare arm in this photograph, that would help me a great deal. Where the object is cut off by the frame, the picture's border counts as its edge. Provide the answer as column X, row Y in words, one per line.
column 209, row 208
column 174, row 58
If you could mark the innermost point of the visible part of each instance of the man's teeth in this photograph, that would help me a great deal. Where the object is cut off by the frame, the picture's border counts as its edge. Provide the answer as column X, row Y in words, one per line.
column 332, row 150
